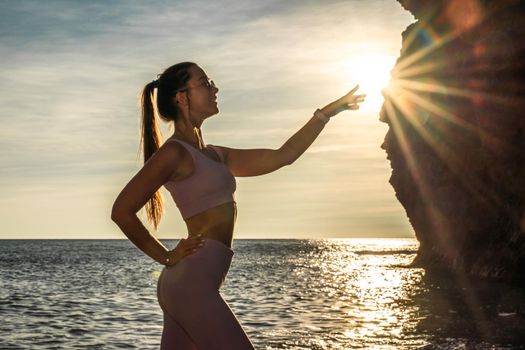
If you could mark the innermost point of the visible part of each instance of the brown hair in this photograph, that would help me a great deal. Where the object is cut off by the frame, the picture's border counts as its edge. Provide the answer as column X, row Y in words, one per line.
column 171, row 81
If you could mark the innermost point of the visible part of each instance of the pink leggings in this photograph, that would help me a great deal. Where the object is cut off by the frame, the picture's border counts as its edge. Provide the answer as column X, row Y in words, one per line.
column 195, row 314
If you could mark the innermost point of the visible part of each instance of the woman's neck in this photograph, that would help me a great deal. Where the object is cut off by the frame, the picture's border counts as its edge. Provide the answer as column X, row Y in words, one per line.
column 188, row 129
column 191, row 136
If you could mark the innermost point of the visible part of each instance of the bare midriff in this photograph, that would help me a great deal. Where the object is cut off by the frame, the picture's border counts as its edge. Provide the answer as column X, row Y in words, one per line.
column 215, row 223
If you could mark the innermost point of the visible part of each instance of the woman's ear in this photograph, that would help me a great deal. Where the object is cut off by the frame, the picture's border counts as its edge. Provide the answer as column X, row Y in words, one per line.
column 181, row 98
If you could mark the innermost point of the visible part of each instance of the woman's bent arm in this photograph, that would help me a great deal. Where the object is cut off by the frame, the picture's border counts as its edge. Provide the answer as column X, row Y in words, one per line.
column 139, row 235
column 133, row 228
column 253, row 162
column 157, row 171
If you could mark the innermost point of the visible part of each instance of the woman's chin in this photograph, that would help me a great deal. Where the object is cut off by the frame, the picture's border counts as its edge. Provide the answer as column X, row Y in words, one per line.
column 213, row 112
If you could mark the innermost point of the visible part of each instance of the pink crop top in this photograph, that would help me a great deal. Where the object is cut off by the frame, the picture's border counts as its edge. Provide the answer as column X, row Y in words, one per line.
column 209, row 185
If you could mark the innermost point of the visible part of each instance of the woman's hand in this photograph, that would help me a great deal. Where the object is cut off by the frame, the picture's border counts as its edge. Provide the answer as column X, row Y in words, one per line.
column 350, row 101
column 185, row 247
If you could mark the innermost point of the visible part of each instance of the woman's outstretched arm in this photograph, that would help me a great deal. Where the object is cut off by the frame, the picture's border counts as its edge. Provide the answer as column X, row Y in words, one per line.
column 253, row 162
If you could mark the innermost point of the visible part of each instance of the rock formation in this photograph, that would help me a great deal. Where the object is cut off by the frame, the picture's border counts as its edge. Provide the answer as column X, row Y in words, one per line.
column 456, row 140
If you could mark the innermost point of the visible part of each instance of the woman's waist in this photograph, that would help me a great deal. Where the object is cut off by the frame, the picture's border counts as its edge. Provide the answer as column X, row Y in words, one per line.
column 223, row 236
column 216, row 223
column 219, row 231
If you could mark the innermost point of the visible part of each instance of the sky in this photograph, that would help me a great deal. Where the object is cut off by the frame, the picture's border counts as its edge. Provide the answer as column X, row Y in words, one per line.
column 72, row 71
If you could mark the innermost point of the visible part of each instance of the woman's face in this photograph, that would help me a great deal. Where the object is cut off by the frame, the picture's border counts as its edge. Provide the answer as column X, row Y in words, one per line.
column 201, row 93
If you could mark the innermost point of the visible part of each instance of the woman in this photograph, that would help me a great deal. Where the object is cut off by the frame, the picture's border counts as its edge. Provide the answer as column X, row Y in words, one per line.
column 201, row 181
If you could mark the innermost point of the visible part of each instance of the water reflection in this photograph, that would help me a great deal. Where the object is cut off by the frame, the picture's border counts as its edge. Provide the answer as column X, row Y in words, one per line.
column 474, row 313
column 343, row 294
column 358, row 291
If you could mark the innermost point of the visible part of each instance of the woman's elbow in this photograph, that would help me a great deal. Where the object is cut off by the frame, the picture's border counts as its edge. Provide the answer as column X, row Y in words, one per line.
column 118, row 213
column 286, row 162
column 286, row 156
column 115, row 214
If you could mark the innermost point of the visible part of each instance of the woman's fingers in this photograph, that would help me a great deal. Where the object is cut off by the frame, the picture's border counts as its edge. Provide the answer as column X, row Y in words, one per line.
column 354, row 89
column 354, row 102
column 357, row 98
column 350, row 100
column 192, row 244
column 187, row 246
column 351, row 93
column 188, row 252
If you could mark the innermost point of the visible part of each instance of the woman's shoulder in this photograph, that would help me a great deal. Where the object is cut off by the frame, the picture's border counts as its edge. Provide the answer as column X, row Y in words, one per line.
column 171, row 152
column 171, row 159
column 220, row 150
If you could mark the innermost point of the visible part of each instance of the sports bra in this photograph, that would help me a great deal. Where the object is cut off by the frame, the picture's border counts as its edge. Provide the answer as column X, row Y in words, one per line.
column 209, row 185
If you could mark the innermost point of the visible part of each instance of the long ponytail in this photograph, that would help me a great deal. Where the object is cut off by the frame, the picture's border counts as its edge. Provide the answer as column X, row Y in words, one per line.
column 150, row 142
column 171, row 81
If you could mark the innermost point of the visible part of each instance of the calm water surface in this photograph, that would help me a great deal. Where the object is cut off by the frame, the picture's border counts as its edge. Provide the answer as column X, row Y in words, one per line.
column 288, row 294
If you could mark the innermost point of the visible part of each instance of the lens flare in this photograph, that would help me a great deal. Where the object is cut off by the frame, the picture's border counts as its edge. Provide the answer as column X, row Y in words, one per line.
column 372, row 73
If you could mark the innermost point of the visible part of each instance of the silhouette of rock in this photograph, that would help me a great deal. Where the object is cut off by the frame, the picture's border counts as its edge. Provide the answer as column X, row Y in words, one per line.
column 456, row 140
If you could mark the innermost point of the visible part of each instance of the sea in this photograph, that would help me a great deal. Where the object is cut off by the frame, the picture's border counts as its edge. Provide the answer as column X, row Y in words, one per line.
column 287, row 294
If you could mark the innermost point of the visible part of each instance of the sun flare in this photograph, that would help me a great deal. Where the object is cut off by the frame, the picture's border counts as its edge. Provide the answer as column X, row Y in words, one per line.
column 372, row 73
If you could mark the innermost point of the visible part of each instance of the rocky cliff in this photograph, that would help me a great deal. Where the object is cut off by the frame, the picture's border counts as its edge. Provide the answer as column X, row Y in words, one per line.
column 456, row 140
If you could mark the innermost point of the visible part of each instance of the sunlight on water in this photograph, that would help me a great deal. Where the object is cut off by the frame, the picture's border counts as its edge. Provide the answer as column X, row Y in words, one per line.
column 377, row 289
column 346, row 292
column 371, row 288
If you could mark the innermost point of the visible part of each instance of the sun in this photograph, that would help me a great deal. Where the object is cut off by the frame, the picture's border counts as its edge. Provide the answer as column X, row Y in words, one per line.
column 372, row 73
